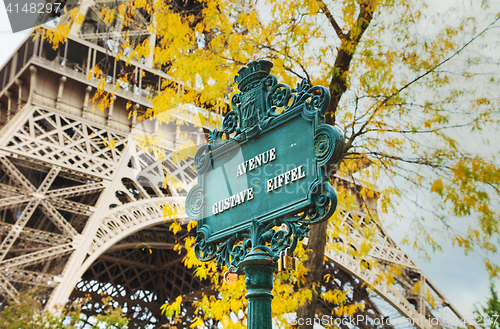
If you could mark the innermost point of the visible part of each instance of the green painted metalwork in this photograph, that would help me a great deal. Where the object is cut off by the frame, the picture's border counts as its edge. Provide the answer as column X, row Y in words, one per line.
column 259, row 269
column 268, row 167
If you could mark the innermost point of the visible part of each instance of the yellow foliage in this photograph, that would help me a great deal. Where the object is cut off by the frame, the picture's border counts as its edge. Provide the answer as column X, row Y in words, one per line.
column 175, row 227
column 197, row 323
column 173, row 309
column 170, row 212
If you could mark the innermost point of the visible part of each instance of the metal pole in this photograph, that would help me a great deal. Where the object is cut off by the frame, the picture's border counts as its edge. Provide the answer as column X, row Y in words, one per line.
column 259, row 269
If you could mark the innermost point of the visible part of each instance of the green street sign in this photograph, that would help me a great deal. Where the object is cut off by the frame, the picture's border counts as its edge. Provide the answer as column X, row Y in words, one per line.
column 268, row 166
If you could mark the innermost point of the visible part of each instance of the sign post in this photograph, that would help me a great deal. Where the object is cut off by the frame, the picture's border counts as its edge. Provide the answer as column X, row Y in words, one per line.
column 262, row 180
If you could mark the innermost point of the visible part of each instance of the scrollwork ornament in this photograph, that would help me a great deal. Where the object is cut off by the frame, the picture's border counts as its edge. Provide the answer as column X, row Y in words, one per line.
column 321, row 145
column 339, row 145
column 279, row 239
column 296, row 230
column 230, row 123
column 328, row 144
column 279, row 96
column 195, row 202
column 204, row 251
column 324, row 201
column 269, row 82
column 302, row 87
column 202, row 160
column 215, row 137
column 260, row 236
column 232, row 251
column 235, row 102
column 316, row 99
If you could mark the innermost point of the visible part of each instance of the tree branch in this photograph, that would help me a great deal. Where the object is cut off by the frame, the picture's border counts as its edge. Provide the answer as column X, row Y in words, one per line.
column 440, row 63
column 338, row 83
column 360, row 131
column 380, row 155
column 332, row 20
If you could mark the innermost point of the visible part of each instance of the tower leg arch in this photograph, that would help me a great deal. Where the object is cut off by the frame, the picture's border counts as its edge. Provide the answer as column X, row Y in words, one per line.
column 140, row 273
column 110, row 228
column 128, row 219
column 402, row 295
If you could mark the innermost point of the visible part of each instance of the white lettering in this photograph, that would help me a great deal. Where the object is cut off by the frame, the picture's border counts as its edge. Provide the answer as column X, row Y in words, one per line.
column 256, row 162
column 284, row 179
column 232, row 201
column 301, row 174
column 264, row 159
column 242, row 195
column 272, row 154
column 269, row 185
column 250, row 194
column 251, row 165
column 280, row 180
column 287, row 177
column 240, row 171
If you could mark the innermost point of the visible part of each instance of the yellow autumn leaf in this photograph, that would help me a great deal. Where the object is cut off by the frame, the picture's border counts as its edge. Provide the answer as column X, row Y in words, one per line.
column 437, row 186
column 197, row 323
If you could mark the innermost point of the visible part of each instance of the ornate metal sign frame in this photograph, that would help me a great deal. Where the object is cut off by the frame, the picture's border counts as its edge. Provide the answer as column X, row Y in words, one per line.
column 261, row 108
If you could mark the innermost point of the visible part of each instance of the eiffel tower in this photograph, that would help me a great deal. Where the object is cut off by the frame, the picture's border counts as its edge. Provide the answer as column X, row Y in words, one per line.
column 82, row 211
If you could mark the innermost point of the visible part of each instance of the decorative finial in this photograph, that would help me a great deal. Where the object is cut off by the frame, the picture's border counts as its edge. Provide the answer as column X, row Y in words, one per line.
column 255, row 71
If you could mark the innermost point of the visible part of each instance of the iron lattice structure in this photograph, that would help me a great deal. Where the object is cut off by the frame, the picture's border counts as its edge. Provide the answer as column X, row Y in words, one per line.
column 80, row 218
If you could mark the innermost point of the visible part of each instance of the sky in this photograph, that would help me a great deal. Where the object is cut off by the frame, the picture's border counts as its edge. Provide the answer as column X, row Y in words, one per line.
column 462, row 279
